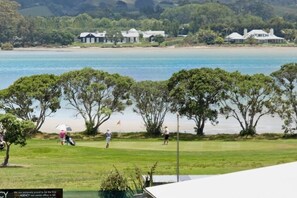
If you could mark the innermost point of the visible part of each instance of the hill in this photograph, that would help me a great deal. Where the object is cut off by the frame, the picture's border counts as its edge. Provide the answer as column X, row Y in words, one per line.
column 128, row 8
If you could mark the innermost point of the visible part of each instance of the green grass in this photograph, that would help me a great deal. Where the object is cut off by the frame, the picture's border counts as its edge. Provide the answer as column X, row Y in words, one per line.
column 46, row 164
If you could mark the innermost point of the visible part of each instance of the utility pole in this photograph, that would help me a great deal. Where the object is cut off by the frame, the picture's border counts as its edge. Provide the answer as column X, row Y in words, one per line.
column 177, row 148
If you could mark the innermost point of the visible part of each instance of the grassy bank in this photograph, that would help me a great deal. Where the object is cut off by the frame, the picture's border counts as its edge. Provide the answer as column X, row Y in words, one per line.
column 43, row 163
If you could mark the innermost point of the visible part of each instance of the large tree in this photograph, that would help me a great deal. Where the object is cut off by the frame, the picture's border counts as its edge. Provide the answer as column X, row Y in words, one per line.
column 32, row 98
column 152, row 103
column 286, row 77
column 115, row 36
column 95, row 95
column 248, row 99
column 14, row 131
column 9, row 19
column 195, row 94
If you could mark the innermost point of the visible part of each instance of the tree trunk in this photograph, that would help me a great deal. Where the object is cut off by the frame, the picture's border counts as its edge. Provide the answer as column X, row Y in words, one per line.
column 91, row 129
column 154, row 128
column 199, row 131
column 5, row 163
column 200, row 127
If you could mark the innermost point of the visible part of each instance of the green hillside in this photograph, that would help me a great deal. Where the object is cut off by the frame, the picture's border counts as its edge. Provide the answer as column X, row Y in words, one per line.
column 36, row 11
column 127, row 8
column 281, row 10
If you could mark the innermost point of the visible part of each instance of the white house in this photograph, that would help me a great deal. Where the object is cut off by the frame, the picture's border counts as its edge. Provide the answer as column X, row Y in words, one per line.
column 259, row 35
column 93, row 37
column 130, row 36
column 150, row 35
column 234, row 38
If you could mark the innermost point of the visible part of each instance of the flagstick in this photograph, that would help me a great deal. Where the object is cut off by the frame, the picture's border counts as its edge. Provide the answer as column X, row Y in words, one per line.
column 120, row 128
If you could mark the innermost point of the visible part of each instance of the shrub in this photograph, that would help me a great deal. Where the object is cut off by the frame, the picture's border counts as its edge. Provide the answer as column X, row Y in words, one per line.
column 6, row 46
column 114, row 185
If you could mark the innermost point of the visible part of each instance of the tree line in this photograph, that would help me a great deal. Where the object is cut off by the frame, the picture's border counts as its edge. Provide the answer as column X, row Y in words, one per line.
column 195, row 20
column 199, row 94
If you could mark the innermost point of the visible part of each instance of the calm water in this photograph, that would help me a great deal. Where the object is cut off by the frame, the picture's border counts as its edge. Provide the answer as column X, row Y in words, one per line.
column 141, row 64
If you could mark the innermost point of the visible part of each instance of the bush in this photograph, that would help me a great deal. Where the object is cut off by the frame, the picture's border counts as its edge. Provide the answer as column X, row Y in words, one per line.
column 114, row 185
column 248, row 132
column 6, row 46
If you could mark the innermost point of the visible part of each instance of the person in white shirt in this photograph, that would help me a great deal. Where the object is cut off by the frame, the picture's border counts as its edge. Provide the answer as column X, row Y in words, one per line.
column 108, row 137
column 166, row 135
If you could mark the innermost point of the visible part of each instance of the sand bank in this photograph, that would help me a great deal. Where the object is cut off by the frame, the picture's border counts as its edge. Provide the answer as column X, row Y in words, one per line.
column 172, row 48
column 133, row 123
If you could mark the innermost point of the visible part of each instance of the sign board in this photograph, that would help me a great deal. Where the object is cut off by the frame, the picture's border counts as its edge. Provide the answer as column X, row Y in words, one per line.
column 31, row 193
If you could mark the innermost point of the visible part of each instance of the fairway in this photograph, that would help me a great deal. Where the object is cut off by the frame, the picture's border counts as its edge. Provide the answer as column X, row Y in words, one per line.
column 47, row 164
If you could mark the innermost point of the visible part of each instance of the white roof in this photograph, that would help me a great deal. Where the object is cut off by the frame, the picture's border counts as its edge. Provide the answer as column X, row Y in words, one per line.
column 277, row 181
column 252, row 32
column 234, row 35
column 84, row 34
column 99, row 34
column 95, row 34
column 150, row 33
column 131, row 33
column 262, row 35
column 172, row 178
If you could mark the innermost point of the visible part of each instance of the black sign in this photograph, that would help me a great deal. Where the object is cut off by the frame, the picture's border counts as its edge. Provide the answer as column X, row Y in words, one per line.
column 31, row 193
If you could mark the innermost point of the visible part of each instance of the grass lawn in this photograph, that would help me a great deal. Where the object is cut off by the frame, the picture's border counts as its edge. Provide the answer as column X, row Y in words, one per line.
column 47, row 164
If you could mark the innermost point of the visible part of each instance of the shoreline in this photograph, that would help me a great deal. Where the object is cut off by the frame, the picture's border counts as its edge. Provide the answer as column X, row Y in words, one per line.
column 133, row 123
column 77, row 48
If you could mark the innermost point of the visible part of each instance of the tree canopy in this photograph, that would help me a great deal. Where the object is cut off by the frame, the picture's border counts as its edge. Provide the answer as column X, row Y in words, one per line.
column 32, row 98
column 152, row 103
column 195, row 94
column 9, row 19
column 95, row 95
column 248, row 99
column 172, row 17
column 286, row 77
column 14, row 131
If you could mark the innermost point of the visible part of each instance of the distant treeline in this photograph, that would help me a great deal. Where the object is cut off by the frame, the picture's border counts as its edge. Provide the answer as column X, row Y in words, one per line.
column 136, row 9
column 201, row 22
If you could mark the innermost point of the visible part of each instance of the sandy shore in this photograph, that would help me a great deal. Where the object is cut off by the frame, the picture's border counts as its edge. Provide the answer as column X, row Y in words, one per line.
column 171, row 48
column 133, row 123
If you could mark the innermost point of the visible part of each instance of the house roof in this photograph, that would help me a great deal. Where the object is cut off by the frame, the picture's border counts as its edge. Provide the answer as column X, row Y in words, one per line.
column 84, row 34
column 130, row 33
column 150, row 33
column 95, row 34
column 268, row 182
column 257, row 34
column 262, row 35
column 172, row 178
column 234, row 36
column 252, row 32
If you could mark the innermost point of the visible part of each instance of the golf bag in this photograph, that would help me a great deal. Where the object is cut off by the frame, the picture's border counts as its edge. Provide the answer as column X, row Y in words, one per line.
column 69, row 140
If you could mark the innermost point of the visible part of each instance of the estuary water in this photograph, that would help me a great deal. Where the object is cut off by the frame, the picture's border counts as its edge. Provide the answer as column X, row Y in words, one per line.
column 144, row 64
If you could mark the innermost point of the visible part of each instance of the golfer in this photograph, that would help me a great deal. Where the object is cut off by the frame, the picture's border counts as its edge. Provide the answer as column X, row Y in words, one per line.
column 166, row 135
column 62, row 135
column 108, row 137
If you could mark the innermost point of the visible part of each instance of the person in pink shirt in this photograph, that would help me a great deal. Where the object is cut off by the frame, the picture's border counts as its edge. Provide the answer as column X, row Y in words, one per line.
column 62, row 135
